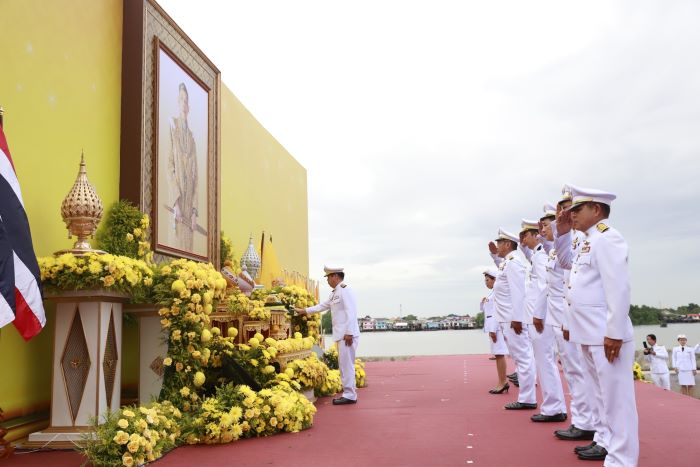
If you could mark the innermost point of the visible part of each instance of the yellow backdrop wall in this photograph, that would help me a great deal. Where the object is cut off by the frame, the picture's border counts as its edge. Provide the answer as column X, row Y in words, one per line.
column 263, row 188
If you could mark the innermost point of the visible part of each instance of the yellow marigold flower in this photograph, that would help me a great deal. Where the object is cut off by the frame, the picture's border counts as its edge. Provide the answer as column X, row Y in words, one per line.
column 208, row 308
column 121, row 437
column 259, row 337
column 167, row 361
column 269, row 369
column 216, row 331
column 253, row 342
column 108, row 281
column 254, row 362
column 206, row 335
column 196, row 298
column 128, row 413
column 166, row 270
column 129, row 237
column 138, row 233
column 199, row 379
column 123, row 424
column 148, row 281
column 179, row 366
column 185, row 391
column 178, row 286
column 297, row 335
column 127, row 460
column 133, row 447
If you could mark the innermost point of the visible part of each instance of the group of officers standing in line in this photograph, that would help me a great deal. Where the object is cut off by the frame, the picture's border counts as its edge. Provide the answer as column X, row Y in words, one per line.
column 566, row 292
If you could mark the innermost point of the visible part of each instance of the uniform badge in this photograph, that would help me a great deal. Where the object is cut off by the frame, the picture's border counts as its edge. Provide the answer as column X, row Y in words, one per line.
column 343, row 285
column 602, row 227
column 586, row 247
column 575, row 242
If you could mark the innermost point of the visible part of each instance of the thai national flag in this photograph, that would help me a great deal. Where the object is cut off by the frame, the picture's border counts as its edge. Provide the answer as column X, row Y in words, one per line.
column 20, row 284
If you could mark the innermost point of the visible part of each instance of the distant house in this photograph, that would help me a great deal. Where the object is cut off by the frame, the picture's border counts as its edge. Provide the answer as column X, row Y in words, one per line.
column 366, row 323
column 693, row 316
column 381, row 324
column 400, row 325
column 431, row 325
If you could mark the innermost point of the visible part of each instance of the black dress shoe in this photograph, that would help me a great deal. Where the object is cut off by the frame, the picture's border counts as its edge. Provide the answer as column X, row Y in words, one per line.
column 596, row 453
column 575, row 434
column 520, row 406
column 560, row 417
column 570, row 427
column 512, row 375
column 578, row 449
column 343, row 401
column 512, row 378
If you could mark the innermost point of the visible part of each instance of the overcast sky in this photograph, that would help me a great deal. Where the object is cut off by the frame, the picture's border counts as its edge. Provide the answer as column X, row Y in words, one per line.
column 426, row 125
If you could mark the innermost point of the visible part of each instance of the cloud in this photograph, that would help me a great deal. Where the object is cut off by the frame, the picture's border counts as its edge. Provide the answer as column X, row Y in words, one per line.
column 424, row 126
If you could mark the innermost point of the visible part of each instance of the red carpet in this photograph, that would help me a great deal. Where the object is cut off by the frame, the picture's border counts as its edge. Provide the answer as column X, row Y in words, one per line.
column 434, row 411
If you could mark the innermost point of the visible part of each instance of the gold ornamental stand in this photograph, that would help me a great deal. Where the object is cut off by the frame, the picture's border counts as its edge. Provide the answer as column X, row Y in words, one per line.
column 86, row 365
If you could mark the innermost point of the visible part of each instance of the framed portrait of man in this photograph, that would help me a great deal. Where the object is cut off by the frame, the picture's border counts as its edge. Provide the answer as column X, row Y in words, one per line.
column 180, row 181
column 170, row 133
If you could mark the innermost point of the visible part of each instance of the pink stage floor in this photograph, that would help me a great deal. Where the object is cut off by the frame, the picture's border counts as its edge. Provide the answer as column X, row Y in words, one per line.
column 435, row 411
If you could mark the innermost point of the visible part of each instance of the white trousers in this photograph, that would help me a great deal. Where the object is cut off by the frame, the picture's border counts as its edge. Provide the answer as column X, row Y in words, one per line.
column 346, row 363
column 582, row 411
column 618, row 415
column 662, row 380
column 547, row 370
column 520, row 349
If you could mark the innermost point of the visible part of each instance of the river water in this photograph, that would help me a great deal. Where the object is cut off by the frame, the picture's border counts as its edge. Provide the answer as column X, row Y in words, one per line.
column 474, row 341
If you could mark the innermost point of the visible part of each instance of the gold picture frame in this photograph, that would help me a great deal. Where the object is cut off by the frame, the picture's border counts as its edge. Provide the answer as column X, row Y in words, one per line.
column 156, row 53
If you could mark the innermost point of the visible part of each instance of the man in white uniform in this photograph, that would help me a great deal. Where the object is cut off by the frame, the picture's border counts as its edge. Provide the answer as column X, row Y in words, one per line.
column 553, row 408
column 600, row 303
column 569, row 353
column 346, row 331
column 657, row 356
column 509, row 298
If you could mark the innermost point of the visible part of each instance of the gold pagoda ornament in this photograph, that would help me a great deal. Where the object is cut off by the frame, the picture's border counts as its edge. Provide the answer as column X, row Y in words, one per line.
column 81, row 210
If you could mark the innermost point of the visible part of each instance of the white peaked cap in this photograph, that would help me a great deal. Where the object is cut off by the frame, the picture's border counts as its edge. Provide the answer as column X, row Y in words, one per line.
column 328, row 270
column 491, row 272
column 590, row 195
column 528, row 224
column 503, row 235
column 549, row 210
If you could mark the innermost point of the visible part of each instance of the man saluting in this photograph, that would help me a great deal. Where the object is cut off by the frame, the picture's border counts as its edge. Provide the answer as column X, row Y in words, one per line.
column 346, row 331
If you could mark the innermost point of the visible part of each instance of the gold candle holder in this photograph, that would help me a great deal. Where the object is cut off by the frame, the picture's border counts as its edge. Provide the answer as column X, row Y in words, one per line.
column 81, row 210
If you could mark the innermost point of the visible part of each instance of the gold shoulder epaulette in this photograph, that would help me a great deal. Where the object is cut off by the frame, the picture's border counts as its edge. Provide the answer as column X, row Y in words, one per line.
column 343, row 285
column 602, row 227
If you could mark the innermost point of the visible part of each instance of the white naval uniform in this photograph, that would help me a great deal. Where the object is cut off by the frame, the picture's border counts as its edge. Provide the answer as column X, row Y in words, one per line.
column 600, row 299
column 491, row 325
column 567, row 247
column 582, row 412
column 553, row 402
column 684, row 361
column 509, row 300
column 659, row 367
column 343, row 308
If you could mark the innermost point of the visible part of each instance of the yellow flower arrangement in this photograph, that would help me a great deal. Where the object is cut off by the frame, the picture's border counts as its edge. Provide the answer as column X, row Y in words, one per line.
column 149, row 432
column 93, row 271
column 637, row 371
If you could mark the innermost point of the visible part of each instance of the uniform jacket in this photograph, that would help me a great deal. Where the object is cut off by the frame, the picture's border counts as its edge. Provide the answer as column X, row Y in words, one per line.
column 343, row 308
column 599, row 288
column 566, row 248
column 658, row 362
column 556, row 283
column 509, row 288
column 487, row 307
column 536, row 292
column 683, row 358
